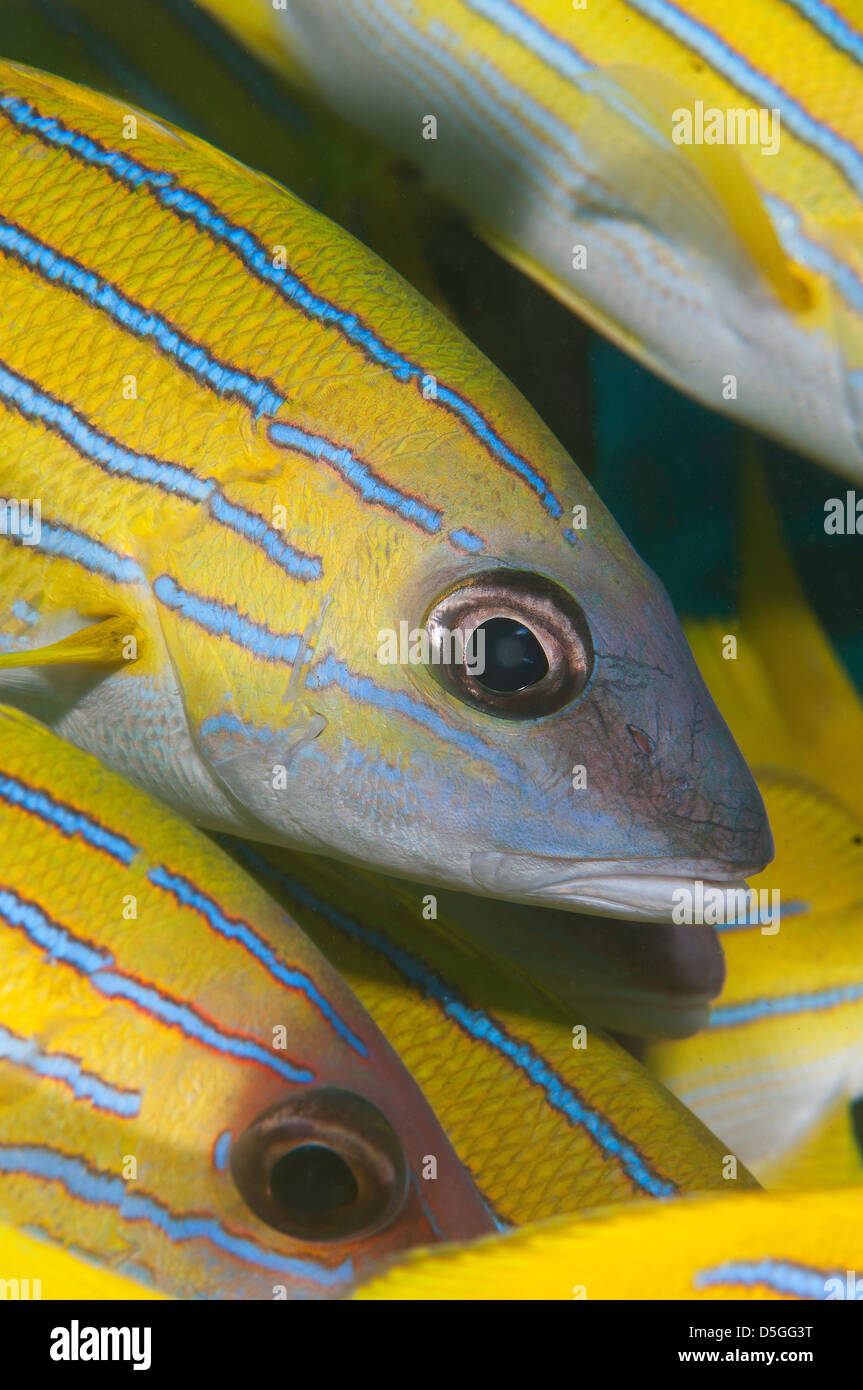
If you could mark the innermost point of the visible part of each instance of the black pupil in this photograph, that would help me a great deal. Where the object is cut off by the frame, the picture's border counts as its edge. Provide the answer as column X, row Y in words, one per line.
column 312, row 1181
column 514, row 658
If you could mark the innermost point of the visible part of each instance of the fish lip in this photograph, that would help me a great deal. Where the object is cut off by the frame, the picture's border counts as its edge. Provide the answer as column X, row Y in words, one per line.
column 639, row 891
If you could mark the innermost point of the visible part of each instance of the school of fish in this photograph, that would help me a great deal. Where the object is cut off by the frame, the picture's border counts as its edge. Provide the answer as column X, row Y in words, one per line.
column 311, row 931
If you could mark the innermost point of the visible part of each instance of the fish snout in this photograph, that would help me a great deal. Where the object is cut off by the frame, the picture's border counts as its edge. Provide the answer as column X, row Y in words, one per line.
column 700, row 791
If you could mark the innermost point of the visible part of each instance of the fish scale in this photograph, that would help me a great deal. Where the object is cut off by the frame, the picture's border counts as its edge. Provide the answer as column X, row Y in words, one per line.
column 556, row 131
column 560, row 1125
column 253, row 442
column 148, row 1031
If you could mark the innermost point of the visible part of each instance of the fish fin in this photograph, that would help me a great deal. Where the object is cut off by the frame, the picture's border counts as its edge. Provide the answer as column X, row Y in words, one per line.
column 104, row 644
column 828, row 1155
column 787, row 697
column 698, row 192
column 819, row 707
column 10, row 715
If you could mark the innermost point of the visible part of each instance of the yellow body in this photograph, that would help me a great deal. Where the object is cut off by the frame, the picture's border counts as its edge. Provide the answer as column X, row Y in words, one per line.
column 153, row 1004
column 548, row 1114
column 44, row 1271
column 228, row 425
column 726, row 253
column 757, row 1245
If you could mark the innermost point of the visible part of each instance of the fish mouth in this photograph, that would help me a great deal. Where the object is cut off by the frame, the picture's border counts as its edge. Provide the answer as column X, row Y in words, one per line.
column 645, row 980
column 646, row 892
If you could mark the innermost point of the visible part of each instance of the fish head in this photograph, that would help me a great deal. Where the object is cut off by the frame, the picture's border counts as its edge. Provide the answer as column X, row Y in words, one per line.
column 305, row 539
column 498, row 697
column 189, row 1093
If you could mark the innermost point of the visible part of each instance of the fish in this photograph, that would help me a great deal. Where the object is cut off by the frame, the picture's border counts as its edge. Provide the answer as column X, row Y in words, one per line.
column 645, row 982
column 276, row 495
column 688, row 177
column 190, row 1096
column 750, row 1246
column 779, row 1067
column 198, row 78
column 548, row 1114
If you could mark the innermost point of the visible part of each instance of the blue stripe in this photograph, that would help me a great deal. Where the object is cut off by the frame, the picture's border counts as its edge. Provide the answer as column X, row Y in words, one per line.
column 757, row 1009
column 737, row 70
column 357, row 475
column 36, row 404
column 223, row 620
column 65, row 818
column 795, row 908
column 64, row 543
column 50, row 937
column 482, row 1028
column 467, row 540
column 780, row 1275
column 513, row 20
column 231, row 724
column 23, row 611
column 253, row 528
column 832, row 25
column 57, row 1066
column 332, row 671
column 812, row 254
column 234, row 930
column 506, row 122
column 105, row 1189
column 144, row 323
column 173, row 478
column 255, row 256
column 61, row 945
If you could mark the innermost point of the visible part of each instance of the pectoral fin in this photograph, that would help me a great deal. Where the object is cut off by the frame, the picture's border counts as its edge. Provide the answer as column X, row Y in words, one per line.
column 698, row 193
column 104, row 644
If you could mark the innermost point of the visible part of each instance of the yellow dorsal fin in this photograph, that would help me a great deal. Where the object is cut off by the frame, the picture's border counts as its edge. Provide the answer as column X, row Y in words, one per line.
column 104, row 644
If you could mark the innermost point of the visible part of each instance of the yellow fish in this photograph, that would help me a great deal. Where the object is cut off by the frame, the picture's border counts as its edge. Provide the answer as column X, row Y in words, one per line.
column 756, row 1245
column 781, row 1060
column 687, row 174
column 547, row 1114
column 190, row 1096
column 280, row 546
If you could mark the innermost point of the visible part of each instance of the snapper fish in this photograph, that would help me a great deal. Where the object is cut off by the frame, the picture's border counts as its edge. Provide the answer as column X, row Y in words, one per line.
column 190, row 1096
column 239, row 457
column 547, row 1113
column 687, row 176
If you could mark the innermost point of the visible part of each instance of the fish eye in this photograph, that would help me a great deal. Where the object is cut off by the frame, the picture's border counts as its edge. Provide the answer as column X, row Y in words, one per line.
column 325, row 1165
column 511, row 643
